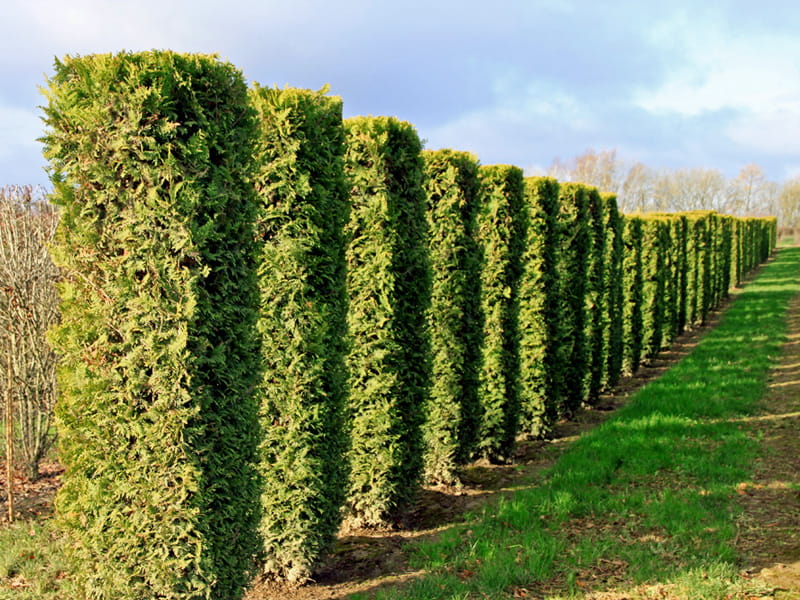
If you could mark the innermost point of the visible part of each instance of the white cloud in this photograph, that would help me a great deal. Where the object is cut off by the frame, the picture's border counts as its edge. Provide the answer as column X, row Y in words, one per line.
column 771, row 129
column 518, row 107
column 722, row 68
column 751, row 76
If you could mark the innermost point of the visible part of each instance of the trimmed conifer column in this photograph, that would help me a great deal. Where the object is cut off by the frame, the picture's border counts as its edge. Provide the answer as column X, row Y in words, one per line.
column 453, row 414
column 150, row 158
column 303, row 207
column 575, row 247
column 501, row 231
column 539, row 310
column 388, row 284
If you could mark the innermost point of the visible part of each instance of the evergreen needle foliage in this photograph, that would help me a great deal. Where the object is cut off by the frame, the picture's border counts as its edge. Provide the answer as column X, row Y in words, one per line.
column 453, row 414
column 575, row 248
column 150, row 157
column 632, row 292
column 539, row 310
column 655, row 270
column 303, row 209
column 388, row 283
column 501, row 231
column 613, row 292
column 596, row 321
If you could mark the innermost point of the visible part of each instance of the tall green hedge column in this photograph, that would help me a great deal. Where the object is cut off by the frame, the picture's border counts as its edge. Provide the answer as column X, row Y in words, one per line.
column 655, row 274
column 596, row 317
column 388, row 283
column 575, row 248
column 614, row 298
column 150, row 156
column 501, row 230
column 456, row 329
column 632, row 283
column 304, row 207
column 539, row 310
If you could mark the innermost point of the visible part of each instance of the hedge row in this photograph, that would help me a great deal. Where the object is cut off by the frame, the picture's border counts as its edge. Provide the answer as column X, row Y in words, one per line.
column 269, row 314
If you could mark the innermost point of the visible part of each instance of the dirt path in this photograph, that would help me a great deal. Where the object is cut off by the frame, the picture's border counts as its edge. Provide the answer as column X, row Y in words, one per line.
column 769, row 535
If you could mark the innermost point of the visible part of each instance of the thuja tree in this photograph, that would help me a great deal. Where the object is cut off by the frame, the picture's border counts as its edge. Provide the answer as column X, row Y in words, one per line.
column 150, row 159
column 452, row 189
column 674, row 269
column 632, row 281
column 575, row 248
column 303, row 204
column 612, row 292
column 655, row 274
column 697, row 252
column 539, row 316
column 501, row 230
column 596, row 321
column 388, row 284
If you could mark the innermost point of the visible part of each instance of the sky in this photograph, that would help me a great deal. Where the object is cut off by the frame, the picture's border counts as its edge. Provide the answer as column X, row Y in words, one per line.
column 678, row 84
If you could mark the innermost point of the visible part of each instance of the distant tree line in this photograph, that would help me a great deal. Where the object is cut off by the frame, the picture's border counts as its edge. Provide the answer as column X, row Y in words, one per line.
column 640, row 188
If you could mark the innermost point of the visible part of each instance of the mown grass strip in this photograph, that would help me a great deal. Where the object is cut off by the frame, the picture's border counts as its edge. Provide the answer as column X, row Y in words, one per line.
column 649, row 496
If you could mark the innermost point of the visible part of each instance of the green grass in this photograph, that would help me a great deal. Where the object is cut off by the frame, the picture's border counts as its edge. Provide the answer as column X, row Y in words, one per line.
column 649, row 496
column 32, row 563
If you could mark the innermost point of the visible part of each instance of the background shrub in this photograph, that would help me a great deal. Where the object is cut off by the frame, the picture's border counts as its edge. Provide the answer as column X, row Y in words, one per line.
column 303, row 203
column 632, row 282
column 539, row 310
column 574, row 255
column 614, row 298
column 451, row 429
column 28, row 308
column 501, row 230
column 150, row 156
column 388, row 283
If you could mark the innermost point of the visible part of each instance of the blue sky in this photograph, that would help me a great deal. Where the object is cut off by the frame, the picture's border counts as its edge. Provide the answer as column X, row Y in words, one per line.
column 712, row 84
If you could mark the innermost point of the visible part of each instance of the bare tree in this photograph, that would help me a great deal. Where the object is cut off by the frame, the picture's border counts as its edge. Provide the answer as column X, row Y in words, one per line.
column 788, row 212
column 602, row 170
column 636, row 194
column 28, row 307
column 750, row 191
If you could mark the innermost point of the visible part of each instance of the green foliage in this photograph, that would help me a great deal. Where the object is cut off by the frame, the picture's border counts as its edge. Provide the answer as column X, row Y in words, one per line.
column 632, row 282
column 614, row 298
column 388, row 283
column 150, row 156
column 303, row 209
column 697, row 267
column 596, row 315
column 501, row 231
column 655, row 276
column 453, row 415
column 539, row 310
column 574, row 254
